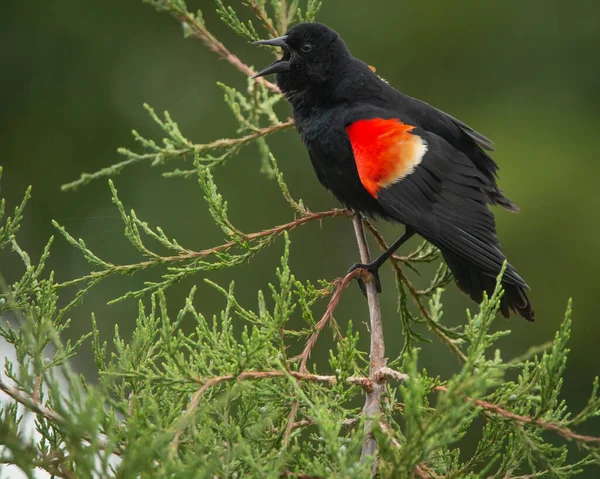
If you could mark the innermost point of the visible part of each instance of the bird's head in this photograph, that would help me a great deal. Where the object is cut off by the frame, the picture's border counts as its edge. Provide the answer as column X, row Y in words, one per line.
column 313, row 54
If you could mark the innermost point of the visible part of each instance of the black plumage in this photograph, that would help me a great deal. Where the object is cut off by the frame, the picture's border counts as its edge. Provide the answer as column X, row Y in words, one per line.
column 444, row 199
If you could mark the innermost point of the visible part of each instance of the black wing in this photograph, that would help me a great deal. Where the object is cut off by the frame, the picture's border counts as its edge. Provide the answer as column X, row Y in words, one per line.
column 481, row 140
column 445, row 199
column 462, row 137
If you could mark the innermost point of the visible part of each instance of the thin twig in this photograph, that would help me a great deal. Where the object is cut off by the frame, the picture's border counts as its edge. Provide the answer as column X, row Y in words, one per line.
column 168, row 152
column 381, row 376
column 30, row 403
column 299, row 475
column 53, row 464
column 390, row 432
column 283, row 19
column 223, row 142
column 188, row 415
column 433, row 326
column 348, row 423
column 51, row 415
column 340, row 285
column 335, row 298
column 367, row 384
column 199, row 31
column 263, row 17
column 549, row 426
column 289, row 426
column 262, row 132
column 193, row 255
column 37, row 387
column 372, row 409
column 419, row 472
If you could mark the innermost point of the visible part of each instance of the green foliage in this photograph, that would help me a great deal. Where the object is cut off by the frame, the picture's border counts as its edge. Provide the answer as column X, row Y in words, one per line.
column 231, row 398
column 10, row 225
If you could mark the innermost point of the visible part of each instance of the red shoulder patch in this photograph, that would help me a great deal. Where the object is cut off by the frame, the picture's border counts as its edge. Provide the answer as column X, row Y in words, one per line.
column 385, row 151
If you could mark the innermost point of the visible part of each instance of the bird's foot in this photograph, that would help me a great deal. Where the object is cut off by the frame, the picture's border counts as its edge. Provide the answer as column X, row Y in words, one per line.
column 373, row 269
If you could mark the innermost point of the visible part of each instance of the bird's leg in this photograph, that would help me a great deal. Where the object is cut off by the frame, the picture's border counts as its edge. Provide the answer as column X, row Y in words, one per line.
column 373, row 266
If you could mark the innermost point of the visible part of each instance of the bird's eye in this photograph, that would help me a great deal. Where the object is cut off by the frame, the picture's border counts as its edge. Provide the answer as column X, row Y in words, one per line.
column 307, row 47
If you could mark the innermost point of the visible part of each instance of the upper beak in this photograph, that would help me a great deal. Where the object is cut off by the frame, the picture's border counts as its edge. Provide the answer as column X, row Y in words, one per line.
column 273, row 42
column 277, row 66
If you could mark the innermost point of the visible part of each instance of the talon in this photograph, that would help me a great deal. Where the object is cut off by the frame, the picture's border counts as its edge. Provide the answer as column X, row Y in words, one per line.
column 372, row 268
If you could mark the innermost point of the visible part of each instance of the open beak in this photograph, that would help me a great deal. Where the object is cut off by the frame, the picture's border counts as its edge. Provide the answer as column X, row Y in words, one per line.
column 278, row 66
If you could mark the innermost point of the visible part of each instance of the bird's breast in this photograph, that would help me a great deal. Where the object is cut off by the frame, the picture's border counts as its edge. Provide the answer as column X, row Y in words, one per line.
column 333, row 160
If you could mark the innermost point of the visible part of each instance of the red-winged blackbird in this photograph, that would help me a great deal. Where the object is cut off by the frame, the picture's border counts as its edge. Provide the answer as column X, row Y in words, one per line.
column 385, row 154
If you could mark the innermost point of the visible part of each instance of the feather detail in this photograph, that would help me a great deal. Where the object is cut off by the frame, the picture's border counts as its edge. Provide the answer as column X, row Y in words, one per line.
column 385, row 151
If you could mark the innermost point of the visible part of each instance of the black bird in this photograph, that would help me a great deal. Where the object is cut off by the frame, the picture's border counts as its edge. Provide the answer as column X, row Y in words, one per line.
column 385, row 154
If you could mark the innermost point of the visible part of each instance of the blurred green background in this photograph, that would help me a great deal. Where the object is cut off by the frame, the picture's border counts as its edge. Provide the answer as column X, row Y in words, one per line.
column 75, row 74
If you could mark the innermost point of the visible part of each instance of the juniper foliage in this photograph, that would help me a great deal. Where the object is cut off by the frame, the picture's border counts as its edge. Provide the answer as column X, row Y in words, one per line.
column 227, row 400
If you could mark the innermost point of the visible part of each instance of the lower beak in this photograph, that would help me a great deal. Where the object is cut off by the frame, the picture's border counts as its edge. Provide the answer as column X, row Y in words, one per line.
column 278, row 66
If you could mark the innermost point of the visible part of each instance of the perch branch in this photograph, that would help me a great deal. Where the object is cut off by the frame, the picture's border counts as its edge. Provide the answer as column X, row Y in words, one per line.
column 372, row 409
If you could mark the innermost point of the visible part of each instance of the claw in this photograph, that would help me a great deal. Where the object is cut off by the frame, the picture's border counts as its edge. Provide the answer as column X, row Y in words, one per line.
column 372, row 268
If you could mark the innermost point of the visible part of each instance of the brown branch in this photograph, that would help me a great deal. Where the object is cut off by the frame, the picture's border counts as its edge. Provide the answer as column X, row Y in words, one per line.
column 549, row 426
column 37, row 387
column 419, row 472
column 189, row 413
column 54, row 464
column 284, row 15
column 333, row 302
column 298, row 424
column 30, row 403
column 224, row 247
column 33, row 405
column 263, row 17
column 428, row 471
column 289, row 427
column 430, row 322
column 433, row 326
column 226, row 142
column 315, row 378
column 368, row 384
column 372, row 408
column 349, row 423
column 193, row 255
column 299, row 475
column 390, row 432
column 170, row 153
column 199, row 31
column 222, row 142
column 340, row 285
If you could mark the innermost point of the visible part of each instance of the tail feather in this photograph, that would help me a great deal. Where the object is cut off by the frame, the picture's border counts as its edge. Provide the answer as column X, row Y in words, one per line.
column 497, row 197
column 473, row 282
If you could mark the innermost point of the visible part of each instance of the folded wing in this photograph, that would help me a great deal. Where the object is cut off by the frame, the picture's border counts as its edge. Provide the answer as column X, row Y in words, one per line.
column 422, row 181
